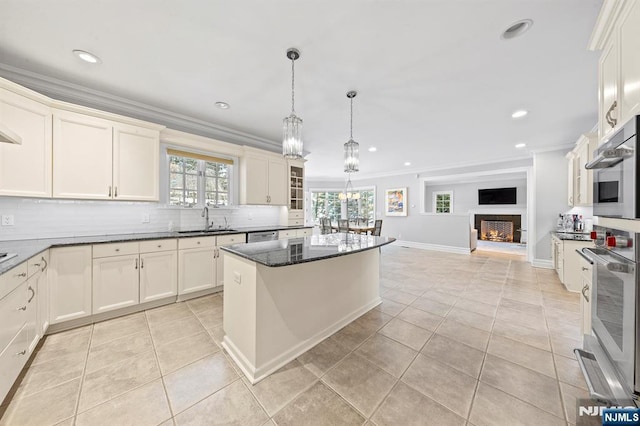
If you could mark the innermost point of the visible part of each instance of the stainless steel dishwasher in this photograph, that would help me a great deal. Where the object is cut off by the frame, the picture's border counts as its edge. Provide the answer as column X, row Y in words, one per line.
column 254, row 237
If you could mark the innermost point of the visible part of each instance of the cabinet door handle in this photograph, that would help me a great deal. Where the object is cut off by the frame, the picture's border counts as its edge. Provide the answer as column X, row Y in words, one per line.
column 23, row 308
column 33, row 294
column 571, row 200
column 585, row 289
column 46, row 264
column 24, row 274
column 109, row 191
column 22, row 352
column 612, row 121
column 585, row 269
column 115, row 192
column 141, row 263
column 136, row 263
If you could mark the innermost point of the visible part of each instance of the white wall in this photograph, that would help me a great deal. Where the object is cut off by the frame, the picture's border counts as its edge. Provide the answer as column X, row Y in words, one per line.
column 42, row 218
column 550, row 175
column 465, row 197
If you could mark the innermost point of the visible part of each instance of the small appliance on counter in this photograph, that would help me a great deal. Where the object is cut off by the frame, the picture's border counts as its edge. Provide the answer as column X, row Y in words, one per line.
column 572, row 223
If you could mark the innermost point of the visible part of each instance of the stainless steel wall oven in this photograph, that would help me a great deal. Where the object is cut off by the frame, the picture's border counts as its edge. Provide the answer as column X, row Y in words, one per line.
column 616, row 165
column 614, row 316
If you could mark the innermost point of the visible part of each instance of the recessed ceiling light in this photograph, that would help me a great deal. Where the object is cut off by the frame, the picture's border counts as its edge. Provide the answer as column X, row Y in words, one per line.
column 87, row 57
column 516, row 29
column 373, row 149
column 407, row 163
column 521, row 145
column 222, row 105
column 520, row 113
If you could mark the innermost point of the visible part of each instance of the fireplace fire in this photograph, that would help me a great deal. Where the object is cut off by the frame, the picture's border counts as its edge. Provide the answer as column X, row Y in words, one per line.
column 496, row 230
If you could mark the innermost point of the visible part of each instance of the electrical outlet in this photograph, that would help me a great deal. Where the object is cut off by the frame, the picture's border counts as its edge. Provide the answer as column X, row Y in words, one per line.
column 7, row 220
column 145, row 218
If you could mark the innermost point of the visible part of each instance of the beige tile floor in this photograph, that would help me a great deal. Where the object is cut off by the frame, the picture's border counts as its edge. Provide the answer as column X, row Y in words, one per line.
column 477, row 340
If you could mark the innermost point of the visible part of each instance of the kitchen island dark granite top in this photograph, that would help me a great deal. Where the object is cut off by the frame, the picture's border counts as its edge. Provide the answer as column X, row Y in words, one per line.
column 25, row 249
column 307, row 249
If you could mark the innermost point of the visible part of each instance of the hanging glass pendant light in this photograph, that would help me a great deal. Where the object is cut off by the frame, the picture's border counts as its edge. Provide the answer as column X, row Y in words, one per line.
column 292, row 125
column 351, row 148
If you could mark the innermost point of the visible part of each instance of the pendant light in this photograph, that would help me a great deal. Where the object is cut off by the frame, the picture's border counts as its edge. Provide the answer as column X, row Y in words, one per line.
column 349, row 193
column 351, row 148
column 292, row 125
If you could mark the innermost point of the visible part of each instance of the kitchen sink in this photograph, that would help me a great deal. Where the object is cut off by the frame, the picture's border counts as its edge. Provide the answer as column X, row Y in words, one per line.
column 210, row 231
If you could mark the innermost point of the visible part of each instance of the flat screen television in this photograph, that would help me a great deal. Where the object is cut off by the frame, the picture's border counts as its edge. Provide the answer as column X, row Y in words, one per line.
column 497, row 196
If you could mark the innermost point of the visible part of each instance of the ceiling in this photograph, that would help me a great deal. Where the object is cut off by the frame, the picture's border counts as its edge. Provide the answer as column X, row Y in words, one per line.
column 436, row 83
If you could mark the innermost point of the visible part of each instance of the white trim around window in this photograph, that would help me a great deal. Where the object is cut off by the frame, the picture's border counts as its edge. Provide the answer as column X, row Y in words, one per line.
column 443, row 202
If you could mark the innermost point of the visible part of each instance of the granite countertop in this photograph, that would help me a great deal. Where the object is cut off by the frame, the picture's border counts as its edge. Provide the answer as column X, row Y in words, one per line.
column 26, row 249
column 307, row 249
column 573, row 236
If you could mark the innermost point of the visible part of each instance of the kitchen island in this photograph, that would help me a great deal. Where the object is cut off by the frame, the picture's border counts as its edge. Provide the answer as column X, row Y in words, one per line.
column 283, row 297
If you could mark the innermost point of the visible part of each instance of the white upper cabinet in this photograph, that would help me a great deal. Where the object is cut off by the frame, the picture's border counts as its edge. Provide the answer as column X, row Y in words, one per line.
column 580, row 184
column 135, row 163
column 263, row 179
column 629, row 40
column 25, row 170
column 608, row 90
column 82, row 156
column 94, row 158
column 617, row 34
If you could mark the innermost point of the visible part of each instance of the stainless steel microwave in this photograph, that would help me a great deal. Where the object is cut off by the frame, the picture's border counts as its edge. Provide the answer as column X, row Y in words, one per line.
column 615, row 166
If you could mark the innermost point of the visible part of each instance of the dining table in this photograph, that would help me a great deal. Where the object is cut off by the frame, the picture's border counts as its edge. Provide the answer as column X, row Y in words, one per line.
column 358, row 229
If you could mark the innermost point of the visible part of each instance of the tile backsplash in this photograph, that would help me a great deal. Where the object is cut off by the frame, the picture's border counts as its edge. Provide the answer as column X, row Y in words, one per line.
column 46, row 218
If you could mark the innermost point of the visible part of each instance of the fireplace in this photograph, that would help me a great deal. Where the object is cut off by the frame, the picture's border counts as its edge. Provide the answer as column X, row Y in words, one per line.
column 496, row 230
column 498, row 227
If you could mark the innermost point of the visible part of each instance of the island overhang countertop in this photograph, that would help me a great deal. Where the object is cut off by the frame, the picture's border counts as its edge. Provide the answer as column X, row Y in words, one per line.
column 293, row 251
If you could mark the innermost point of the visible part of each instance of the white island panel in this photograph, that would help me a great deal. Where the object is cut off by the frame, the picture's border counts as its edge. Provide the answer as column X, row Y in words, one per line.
column 274, row 314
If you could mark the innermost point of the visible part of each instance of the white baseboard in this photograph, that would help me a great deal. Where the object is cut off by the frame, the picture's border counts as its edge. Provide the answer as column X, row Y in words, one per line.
column 436, row 247
column 542, row 263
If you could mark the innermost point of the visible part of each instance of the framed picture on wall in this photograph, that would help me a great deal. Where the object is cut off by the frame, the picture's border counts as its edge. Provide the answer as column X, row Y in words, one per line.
column 396, row 202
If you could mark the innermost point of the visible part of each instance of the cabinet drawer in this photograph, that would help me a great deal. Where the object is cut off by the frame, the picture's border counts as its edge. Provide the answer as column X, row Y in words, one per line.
column 304, row 232
column 196, row 242
column 296, row 214
column 12, row 279
column 13, row 314
column 296, row 222
column 286, row 233
column 225, row 240
column 37, row 263
column 153, row 246
column 115, row 249
column 586, row 269
column 12, row 359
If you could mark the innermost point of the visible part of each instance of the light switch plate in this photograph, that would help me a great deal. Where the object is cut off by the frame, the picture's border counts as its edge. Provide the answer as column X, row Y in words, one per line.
column 237, row 277
column 7, row 220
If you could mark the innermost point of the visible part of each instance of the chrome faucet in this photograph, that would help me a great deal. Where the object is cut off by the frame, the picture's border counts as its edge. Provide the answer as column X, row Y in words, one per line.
column 205, row 214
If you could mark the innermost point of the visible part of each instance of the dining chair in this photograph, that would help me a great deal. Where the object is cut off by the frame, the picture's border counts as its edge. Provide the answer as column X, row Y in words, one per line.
column 377, row 227
column 343, row 225
column 325, row 226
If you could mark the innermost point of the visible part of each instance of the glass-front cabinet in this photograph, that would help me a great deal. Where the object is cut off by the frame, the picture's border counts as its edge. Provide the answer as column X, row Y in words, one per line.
column 296, row 193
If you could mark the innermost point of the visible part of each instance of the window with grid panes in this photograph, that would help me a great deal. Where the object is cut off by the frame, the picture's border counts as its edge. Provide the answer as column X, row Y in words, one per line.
column 195, row 182
column 443, row 201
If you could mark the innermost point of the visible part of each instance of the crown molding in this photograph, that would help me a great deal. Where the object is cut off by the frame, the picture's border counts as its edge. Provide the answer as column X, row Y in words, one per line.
column 74, row 93
column 604, row 24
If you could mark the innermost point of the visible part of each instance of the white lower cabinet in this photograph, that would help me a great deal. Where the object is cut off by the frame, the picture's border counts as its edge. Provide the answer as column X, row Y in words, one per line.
column 197, row 268
column 221, row 241
column 126, row 274
column 158, row 275
column 18, row 324
column 69, row 283
column 115, row 282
